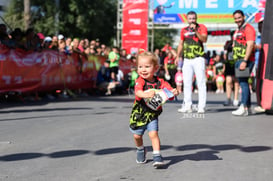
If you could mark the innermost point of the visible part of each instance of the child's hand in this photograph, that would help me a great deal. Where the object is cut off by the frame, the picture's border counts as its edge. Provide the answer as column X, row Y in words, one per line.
column 150, row 93
column 175, row 92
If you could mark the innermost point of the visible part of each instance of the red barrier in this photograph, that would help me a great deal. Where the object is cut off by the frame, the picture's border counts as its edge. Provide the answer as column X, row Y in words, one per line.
column 22, row 71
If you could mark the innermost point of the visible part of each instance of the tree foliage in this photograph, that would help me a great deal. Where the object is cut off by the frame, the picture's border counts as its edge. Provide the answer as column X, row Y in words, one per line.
column 77, row 18
column 163, row 36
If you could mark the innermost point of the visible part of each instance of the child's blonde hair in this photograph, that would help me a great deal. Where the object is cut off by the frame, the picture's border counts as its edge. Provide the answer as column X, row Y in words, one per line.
column 151, row 55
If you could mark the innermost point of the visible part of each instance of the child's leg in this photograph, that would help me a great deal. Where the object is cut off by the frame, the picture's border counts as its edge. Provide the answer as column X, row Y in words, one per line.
column 179, row 88
column 217, row 86
column 236, row 90
column 155, row 140
column 229, row 86
column 138, row 140
column 222, row 87
column 153, row 134
column 140, row 151
column 157, row 158
column 113, row 76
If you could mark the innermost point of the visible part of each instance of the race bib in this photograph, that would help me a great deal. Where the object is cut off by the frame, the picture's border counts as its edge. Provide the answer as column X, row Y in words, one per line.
column 160, row 97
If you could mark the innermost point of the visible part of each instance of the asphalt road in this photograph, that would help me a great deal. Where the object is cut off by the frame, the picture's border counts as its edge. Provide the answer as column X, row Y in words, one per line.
column 88, row 139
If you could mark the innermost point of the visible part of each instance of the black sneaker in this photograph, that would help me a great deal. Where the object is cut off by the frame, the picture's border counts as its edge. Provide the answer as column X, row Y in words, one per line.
column 141, row 156
column 158, row 161
column 228, row 103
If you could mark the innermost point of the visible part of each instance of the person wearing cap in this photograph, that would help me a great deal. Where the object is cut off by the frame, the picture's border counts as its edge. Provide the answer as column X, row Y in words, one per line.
column 47, row 42
column 40, row 42
column 60, row 37
column 41, row 36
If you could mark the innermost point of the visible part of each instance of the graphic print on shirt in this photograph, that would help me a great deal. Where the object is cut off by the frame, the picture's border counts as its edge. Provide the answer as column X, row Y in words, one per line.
column 192, row 46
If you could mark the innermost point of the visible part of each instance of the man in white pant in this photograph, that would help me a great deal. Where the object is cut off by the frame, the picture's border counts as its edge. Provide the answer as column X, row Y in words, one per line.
column 192, row 51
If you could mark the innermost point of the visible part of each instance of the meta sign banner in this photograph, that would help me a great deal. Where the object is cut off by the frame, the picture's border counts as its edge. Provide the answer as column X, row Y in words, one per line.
column 208, row 11
column 135, row 30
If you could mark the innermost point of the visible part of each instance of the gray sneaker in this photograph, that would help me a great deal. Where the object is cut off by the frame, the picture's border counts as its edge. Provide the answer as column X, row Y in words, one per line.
column 141, row 156
column 228, row 102
column 158, row 161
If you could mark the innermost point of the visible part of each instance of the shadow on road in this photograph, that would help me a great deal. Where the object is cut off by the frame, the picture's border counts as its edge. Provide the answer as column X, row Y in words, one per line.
column 43, row 110
column 208, row 152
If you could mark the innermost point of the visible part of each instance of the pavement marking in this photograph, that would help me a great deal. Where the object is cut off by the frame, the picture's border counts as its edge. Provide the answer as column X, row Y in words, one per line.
column 5, row 142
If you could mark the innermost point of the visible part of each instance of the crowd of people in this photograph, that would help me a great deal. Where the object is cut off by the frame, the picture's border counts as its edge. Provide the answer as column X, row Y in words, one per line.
column 31, row 41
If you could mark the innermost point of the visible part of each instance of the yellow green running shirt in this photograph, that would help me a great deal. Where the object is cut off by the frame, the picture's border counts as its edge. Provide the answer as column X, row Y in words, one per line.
column 141, row 114
column 192, row 46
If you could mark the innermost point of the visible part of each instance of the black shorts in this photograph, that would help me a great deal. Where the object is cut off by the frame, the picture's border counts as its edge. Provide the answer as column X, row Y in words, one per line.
column 114, row 69
column 230, row 70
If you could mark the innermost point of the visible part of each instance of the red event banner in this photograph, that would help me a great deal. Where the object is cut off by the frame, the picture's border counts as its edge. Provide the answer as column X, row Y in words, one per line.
column 22, row 71
column 261, row 10
column 135, row 30
column 48, row 70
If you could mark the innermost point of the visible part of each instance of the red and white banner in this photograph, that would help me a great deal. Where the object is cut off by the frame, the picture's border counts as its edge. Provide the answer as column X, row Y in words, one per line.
column 135, row 30
column 261, row 10
column 22, row 71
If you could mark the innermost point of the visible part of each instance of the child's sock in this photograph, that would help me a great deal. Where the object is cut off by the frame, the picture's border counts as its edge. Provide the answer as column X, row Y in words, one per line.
column 156, row 152
column 140, row 147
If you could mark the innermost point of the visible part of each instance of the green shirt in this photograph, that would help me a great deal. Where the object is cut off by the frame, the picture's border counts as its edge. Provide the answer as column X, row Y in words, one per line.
column 112, row 55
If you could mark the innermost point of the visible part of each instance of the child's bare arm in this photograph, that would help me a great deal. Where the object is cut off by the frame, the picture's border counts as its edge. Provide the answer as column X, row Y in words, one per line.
column 175, row 92
column 146, row 94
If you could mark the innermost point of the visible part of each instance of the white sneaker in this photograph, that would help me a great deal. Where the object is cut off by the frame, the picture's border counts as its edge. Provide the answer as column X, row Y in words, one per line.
column 185, row 109
column 259, row 109
column 201, row 111
column 217, row 91
column 241, row 111
column 235, row 103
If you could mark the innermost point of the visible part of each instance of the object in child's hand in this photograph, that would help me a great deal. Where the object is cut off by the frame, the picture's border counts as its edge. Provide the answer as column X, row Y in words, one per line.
column 167, row 77
column 179, row 78
column 160, row 97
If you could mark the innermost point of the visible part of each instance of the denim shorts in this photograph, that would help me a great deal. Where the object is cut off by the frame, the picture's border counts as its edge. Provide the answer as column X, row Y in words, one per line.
column 152, row 126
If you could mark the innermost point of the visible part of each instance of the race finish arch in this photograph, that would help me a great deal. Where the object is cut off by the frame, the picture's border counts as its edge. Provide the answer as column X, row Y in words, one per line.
column 264, row 86
column 137, row 19
column 215, row 14
column 209, row 11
